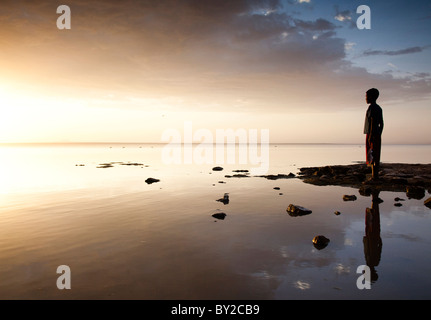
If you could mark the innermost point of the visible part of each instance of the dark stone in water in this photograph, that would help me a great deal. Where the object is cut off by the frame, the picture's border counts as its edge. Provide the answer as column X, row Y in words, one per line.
column 151, row 180
column 415, row 192
column 219, row 215
column 347, row 197
column 217, row 169
column 296, row 211
column 278, row 176
column 105, row 165
column 238, row 175
column 131, row 164
column 225, row 199
column 320, row 242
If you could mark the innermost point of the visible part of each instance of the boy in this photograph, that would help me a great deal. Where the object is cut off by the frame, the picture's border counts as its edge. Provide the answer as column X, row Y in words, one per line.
column 373, row 129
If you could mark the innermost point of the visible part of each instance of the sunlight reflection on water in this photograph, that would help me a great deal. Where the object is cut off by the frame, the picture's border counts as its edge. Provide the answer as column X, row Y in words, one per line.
column 124, row 238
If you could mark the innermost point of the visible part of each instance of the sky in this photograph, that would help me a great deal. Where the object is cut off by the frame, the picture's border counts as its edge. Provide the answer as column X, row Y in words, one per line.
column 127, row 71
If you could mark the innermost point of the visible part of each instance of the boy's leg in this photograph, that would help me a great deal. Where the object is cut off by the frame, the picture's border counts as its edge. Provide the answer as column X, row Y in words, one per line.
column 375, row 170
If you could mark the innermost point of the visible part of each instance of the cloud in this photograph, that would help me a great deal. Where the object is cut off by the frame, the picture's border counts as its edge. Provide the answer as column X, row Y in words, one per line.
column 395, row 52
column 203, row 52
column 344, row 16
column 393, row 66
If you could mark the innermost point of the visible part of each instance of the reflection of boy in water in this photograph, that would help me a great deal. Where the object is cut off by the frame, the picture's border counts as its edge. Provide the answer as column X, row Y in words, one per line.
column 373, row 128
column 372, row 241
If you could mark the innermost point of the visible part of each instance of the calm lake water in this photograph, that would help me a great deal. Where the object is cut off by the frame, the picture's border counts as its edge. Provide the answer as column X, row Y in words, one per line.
column 125, row 239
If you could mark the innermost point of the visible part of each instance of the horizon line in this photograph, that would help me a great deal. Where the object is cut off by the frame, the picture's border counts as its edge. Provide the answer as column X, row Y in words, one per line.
column 196, row 143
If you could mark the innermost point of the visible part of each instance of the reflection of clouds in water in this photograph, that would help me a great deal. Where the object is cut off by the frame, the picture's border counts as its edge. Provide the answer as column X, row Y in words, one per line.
column 408, row 237
column 348, row 242
column 262, row 275
column 284, row 252
column 342, row 269
column 302, row 285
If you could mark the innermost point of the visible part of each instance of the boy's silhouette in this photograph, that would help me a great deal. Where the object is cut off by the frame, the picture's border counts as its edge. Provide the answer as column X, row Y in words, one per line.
column 373, row 129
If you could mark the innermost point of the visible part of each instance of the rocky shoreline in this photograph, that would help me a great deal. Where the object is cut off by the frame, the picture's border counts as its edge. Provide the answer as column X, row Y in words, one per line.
column 413, row 179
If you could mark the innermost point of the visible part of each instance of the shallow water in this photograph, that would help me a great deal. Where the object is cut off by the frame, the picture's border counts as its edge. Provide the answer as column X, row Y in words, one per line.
column 125, row 239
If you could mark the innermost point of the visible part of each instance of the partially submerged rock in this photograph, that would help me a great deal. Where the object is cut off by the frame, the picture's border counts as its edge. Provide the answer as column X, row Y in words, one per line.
column 219, row 215
column 413, row 179
column 295, row 210
column 225, row 199
column 105, row 165
column 348, row 197
column 238, row 175
column 131, row 164
column 278, row 176
column 152, row 180
column 320, row 242
column 111, row 164
column 217, row 169
column 415, row 192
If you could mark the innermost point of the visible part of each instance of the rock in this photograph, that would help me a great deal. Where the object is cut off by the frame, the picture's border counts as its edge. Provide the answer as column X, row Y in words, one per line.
column 225, row 199
column 398, row 199
column 276, row 188
column 378, row 200
column 296, row 211
column 427, row 203
column 347, row 197
column 365, row 190
column 219, row 215
column 131, row 164
column 393, row 176
column 278, row 176
column 105, row 165
column 239, row 170
column 320, row 242
column 238, row 175
column 337, row 213
column 217, row 169
column 415, row 192
column 398, row 204
column 151, row 180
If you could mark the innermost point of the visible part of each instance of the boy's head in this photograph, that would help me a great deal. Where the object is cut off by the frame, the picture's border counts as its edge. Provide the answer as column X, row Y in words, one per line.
column 372, row 95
